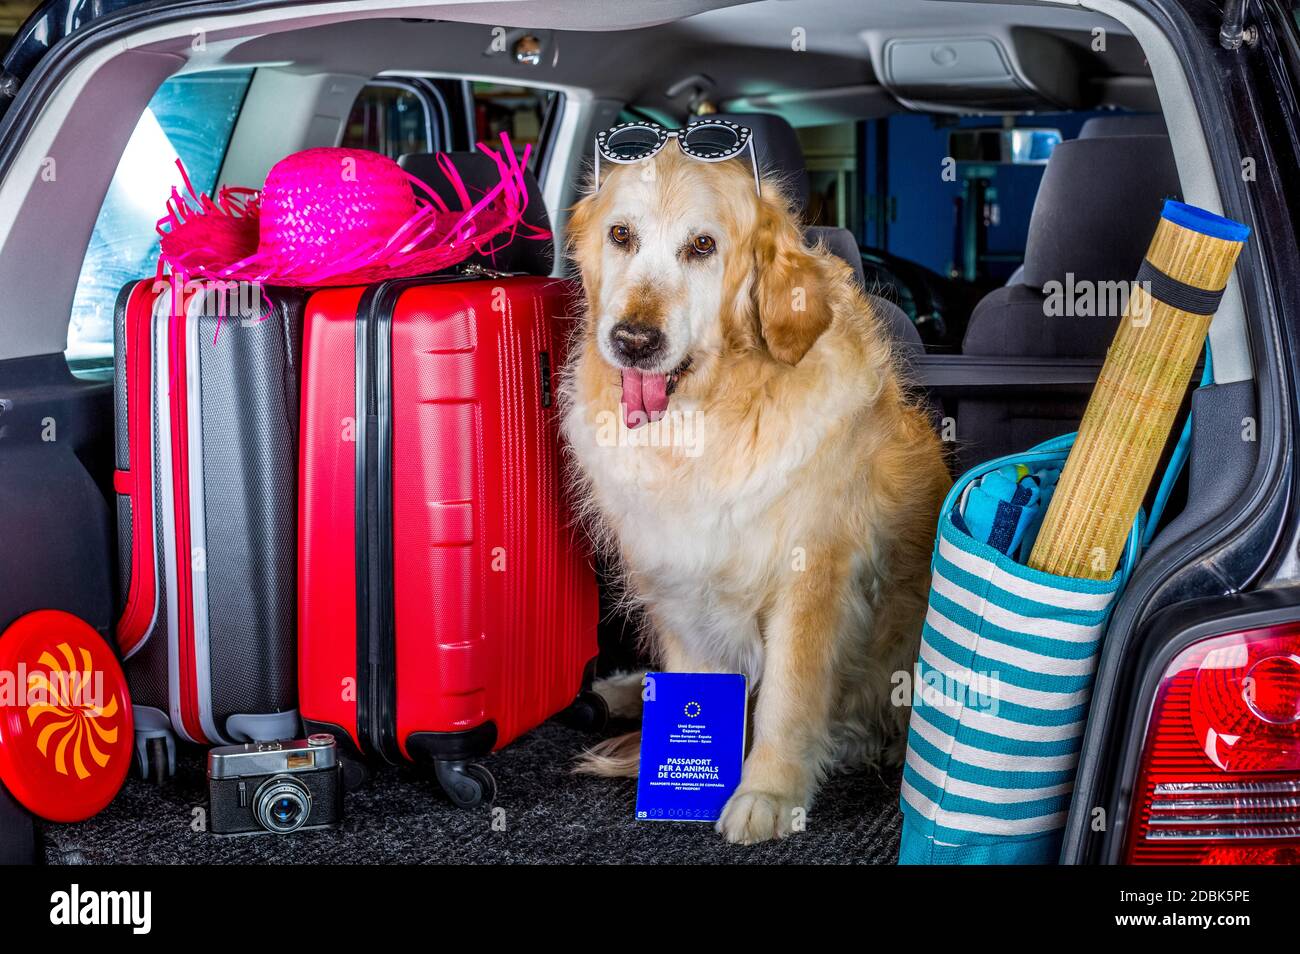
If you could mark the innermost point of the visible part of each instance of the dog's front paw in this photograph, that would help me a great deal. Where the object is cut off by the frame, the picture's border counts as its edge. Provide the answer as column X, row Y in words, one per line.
column 751, row 816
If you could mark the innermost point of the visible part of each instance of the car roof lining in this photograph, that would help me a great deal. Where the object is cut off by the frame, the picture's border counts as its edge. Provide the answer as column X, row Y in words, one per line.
column 46, row 223
column 746, row 49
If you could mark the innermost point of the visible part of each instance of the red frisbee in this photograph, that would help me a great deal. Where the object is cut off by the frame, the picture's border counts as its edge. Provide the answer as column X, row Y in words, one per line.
column 66, row 733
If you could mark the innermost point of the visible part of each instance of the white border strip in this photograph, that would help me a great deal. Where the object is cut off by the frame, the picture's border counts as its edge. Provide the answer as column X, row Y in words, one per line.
column 986, row 758
column 1000, row 689
column 162, row 378
column 1025, row 589
column 198, row 523
column 983, row 793
column 980, row 824
column 991, row 651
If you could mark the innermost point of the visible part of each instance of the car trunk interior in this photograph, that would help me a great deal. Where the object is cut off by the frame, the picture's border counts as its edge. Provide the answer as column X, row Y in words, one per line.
column 966, row 250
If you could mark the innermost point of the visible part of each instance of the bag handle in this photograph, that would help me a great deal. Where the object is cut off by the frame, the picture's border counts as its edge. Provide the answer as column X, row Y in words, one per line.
column 1058, row 448
column 1178, row 459
column 1055, row 449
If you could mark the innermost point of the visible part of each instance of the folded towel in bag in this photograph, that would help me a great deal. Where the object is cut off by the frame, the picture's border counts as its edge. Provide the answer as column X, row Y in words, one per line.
column 1005, row 507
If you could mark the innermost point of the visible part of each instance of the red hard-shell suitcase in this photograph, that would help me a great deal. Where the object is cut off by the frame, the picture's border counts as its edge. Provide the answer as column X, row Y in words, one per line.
column 446, row 601
column 206, row 480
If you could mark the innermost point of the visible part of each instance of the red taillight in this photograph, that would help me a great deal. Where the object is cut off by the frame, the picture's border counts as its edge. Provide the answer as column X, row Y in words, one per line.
column 1219, row 781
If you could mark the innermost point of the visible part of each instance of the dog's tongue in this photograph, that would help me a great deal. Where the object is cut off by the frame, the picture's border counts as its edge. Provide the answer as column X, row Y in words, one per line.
column 645, row 397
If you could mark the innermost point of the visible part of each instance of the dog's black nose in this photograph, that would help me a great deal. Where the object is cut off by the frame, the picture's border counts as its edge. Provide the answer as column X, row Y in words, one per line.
column 636, row 342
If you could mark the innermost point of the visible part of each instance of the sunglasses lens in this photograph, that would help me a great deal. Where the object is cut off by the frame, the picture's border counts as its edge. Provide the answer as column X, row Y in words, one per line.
column 709, row 141
column 631, row 142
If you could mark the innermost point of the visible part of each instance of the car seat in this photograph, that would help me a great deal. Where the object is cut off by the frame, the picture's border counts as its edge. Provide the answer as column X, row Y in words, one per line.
column 1090, row 228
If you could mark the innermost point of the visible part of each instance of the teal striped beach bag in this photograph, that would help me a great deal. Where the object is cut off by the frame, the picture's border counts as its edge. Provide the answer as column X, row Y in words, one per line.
column 1001, row 687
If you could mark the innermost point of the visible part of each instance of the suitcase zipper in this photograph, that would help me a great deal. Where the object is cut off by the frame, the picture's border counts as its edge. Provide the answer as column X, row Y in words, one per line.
column 376, row 629
column 384, row 651
column 374, row 634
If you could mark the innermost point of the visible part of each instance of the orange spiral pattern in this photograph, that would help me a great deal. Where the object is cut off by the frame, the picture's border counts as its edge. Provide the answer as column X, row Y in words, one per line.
column 75, row 722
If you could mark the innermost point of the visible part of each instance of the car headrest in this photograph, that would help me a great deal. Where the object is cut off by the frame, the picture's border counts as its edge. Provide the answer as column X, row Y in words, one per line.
column 526, row 254
column 1124, row 124
column 776, row 145
column 1097, row 207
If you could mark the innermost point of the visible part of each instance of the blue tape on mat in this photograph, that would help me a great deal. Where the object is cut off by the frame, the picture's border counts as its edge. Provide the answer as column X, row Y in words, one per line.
column 1207, row 223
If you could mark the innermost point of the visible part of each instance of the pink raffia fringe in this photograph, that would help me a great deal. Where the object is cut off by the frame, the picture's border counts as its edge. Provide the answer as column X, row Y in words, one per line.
column 330, row 217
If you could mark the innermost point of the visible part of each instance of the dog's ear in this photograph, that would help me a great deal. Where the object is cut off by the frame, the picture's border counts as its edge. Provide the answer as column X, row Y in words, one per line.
column 583, row 249
column 575, row 229
column 792, row 290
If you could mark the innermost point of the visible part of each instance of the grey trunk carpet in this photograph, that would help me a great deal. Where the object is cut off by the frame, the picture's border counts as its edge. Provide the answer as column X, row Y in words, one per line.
column 548, row 815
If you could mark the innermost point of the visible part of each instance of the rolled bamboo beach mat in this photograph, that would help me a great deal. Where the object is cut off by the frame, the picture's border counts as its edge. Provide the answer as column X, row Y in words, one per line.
column 1142, row 382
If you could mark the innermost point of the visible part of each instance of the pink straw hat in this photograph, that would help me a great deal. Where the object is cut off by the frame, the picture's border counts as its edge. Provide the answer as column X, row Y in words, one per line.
column 332, row 216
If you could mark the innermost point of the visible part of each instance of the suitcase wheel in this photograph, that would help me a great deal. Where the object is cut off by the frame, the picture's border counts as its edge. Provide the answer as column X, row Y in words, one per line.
column 155, row 758
column 589, row 712
column 355, row 773
column 467, row 784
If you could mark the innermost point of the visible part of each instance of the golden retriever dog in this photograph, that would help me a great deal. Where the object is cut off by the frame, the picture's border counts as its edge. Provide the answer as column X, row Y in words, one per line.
column 748, row 452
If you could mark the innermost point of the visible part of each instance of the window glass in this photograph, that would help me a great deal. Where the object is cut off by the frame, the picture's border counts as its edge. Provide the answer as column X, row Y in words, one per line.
column 390, row 117
column 190, row 118
column 518, row 111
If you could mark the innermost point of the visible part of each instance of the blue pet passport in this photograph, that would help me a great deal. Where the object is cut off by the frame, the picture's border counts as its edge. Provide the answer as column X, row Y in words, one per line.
column 692, row 745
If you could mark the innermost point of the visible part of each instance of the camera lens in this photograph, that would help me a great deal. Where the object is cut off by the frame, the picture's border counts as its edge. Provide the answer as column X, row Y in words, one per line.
column 286, row 811
column 282, row 804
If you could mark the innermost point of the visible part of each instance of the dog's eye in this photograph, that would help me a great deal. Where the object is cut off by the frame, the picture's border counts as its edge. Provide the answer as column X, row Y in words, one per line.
column 702, row 245
column 620, row 234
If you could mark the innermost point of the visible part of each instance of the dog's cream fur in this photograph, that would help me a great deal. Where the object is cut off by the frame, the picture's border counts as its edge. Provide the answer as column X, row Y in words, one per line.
column 792, row 542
